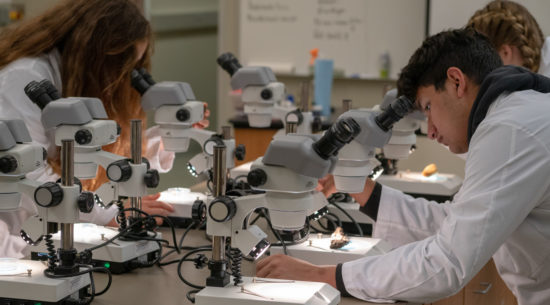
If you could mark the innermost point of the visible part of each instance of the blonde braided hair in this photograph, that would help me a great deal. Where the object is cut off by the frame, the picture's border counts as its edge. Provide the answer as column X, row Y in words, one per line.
column 507, row 22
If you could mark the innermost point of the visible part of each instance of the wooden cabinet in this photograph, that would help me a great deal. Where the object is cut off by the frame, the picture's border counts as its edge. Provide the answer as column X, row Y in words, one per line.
column 486, row 288
column 255, row 140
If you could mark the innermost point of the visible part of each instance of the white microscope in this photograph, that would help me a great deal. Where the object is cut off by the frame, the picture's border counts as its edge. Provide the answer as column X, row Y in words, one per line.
column 356, row 161
column 176, row 110
column 263, row 96
column 85, row 121
column 67, row 276
column 289, row 184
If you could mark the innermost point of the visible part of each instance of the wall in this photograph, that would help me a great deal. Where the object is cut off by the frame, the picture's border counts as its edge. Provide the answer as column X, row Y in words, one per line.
column 185, row 50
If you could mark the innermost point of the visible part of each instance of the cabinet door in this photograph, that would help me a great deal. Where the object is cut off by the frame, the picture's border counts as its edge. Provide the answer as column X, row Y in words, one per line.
column 487, row 288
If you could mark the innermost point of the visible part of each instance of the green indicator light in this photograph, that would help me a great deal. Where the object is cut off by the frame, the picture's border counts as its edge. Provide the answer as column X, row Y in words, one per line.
column 107, row 265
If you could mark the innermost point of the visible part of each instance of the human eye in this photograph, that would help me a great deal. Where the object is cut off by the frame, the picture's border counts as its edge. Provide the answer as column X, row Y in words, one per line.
column 427, row 107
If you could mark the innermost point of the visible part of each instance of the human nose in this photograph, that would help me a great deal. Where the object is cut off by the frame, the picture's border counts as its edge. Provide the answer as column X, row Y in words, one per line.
column 432, row 131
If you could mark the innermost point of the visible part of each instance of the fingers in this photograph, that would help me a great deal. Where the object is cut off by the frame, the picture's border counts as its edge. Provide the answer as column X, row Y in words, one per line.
column 267, row 266
column 151, row 197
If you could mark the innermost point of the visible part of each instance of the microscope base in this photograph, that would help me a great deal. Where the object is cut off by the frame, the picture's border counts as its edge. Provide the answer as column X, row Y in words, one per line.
column 269, row 291
column 120, row 257
column 320, row 253
column 20, row 288
column 438, row 187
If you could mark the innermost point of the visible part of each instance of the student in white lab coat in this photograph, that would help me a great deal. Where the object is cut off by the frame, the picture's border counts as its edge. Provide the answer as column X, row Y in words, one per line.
column 499, row 115
column 85, row 48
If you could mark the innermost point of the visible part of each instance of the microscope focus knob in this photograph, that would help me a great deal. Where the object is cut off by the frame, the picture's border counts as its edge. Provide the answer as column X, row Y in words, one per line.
column 222, row 209
column 183, row 115
column 198, row 210
column 240, row 152
column 257, row 177
column 48, row 195
column 119, row 171
column 85, row 202
column 151, row 178
column 83, row 137
column 8, row 164
column 295, row 116
column 266, row 94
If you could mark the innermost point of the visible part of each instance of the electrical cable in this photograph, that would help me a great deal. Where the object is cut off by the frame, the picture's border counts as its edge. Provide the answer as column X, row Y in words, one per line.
column 183, row 259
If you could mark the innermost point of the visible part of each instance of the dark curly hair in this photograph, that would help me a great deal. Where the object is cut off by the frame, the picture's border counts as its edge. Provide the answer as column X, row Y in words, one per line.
column 464, row 48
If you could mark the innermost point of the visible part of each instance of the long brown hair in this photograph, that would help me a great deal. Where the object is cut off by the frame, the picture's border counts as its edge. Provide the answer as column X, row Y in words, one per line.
column 508, row 22
column 97, row 42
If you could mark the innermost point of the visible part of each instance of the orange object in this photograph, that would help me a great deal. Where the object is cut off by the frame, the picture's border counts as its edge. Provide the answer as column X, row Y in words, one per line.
column 314, row 54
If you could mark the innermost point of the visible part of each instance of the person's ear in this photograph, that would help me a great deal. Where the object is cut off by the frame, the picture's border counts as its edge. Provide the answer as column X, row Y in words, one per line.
column 457, row 79
column 506, row 54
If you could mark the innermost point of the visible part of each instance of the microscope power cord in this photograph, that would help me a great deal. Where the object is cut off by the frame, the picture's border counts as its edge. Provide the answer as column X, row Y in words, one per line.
column 52, row 254
column 236, row 257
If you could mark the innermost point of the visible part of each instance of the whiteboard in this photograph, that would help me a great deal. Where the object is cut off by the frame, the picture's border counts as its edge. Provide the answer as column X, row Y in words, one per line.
column 354, row 33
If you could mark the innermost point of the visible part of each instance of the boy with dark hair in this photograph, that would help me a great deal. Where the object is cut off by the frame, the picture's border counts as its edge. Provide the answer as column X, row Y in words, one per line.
column 499, row 115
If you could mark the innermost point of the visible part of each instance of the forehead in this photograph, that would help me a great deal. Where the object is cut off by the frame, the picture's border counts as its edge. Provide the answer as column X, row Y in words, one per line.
column 425, row 94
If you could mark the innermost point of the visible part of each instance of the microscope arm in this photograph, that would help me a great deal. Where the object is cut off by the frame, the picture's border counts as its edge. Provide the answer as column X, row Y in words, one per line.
column 199, row 135
column 227, row 218
column 100, row 157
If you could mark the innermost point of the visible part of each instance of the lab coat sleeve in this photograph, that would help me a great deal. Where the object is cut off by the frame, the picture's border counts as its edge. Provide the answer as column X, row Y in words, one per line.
column 506, row 177
column 159, row 158
column 10, row 245
column 402, row 219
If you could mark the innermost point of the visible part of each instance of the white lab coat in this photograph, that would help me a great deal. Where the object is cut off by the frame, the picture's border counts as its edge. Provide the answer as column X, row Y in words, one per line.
column 501, row 211
column 14, row 104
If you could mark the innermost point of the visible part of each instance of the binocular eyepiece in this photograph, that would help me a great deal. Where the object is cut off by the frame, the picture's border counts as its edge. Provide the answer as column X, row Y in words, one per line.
column 41, row 93
column 339, row 134
column 141, row 80
column 395, row 112
column 229, row 63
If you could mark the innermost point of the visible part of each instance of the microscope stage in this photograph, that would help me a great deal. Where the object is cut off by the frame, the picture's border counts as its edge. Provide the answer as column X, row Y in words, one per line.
column 269, row 291
column 320, row 253
column 16, row 284
column 182, row 200
column 88, row 235
column 415, row 183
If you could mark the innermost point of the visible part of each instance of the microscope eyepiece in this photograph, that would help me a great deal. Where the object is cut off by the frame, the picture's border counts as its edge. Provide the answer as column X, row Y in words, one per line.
column 339, row 134
column 50, row 89
column 38, row 94
column 395, row 112
column 229, row 63
column 139, row 82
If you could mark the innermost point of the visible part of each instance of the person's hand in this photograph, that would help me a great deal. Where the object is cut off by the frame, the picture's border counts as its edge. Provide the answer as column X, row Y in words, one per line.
column 281, row 266
column 150, row 205
column 326, row 185
column 204, row 123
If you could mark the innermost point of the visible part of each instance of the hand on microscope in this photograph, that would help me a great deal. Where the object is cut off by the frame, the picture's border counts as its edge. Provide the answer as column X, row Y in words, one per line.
column 151, row 206
column 281, row 266
column 204, row 123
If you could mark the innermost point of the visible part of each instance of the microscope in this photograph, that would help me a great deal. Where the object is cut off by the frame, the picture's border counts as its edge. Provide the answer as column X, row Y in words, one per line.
column 356, row 161
column 263, row 96
column 176, row 110
column 65, row 278
column 85, row 121
column 288, row 185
